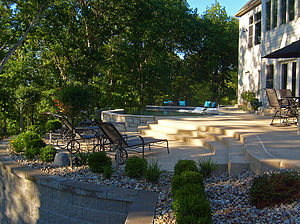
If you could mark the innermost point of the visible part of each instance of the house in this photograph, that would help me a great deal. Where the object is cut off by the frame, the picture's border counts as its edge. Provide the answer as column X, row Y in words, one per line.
column 264, row 27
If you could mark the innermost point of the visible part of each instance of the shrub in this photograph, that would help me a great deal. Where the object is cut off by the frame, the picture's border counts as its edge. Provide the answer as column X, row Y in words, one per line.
column 31, row 152
column 98, row 160
column 35, row 143
column 190, row 177
column 53, row 125
column 206, row 166
column 153, row 172
column 108, row 171
column 82, row 158
column 47, row 154
column 135, row 167
column 191, row 205
column 18, row 144
column 274, row 189
column 184, row 165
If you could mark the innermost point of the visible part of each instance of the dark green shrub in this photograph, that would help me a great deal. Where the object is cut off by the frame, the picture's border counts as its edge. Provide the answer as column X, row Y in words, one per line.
column 31, row 152
column 108, row 171
column 153, row 172
column 206, row 166
column 53, row 125
column 98, row 160
column 274, row 189
column 35, row 143
column 47, row 154
column 191, row 205
column 184, row 165
column 187, row 177
column 135, row 167
column 82, row 158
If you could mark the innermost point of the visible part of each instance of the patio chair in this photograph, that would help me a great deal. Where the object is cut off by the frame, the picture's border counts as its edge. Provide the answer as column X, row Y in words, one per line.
column 282, row 111
column 282, row 93
column 122, row 142
column 81, row 133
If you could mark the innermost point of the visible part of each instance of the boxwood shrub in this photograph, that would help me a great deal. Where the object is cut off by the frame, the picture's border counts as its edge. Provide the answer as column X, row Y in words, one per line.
column 136, row 167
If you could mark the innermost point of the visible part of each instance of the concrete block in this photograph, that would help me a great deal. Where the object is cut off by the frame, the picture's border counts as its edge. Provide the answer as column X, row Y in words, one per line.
column 112, row 205
column 95, row 216
column 84, row 201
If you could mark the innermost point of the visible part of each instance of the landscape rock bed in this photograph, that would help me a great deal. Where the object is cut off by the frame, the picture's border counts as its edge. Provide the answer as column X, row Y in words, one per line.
column 228, row 195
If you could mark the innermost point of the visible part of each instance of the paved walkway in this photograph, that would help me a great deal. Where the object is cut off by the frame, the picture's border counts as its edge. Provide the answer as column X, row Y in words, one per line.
column 274, row 144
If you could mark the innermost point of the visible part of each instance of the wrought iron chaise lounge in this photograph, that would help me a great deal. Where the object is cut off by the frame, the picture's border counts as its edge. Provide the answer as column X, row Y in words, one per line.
column 123, row 143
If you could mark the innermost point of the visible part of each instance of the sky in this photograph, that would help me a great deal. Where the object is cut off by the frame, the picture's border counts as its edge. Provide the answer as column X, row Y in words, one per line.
column 231, row 6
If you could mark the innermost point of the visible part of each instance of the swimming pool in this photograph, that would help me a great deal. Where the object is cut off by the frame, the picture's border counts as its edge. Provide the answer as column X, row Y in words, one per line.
column 161, row 111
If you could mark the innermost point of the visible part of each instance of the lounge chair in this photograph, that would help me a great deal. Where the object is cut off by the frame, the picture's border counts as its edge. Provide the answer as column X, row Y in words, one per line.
column 79, row 134
column 123, row 143
column 282, row 111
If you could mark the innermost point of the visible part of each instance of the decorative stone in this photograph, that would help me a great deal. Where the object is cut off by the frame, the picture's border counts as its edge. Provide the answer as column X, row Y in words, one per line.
column 61, row 159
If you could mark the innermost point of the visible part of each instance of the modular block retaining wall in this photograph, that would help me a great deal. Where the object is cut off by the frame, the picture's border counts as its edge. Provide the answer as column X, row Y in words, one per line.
column 30, row 196
column 131, row 121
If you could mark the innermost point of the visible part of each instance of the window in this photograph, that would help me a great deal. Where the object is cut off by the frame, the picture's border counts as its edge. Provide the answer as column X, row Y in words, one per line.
column 257, row 20
column 283, row 76
column 270, row 76
column 268, row 15
column 274, row 13
column 294, row 65
column 250, row 33
column 283, row 11
column 291, row 10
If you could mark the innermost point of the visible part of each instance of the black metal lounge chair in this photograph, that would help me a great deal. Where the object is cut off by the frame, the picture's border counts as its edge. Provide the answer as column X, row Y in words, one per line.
column 78, row 134
column 122, row 142
column 283, row 111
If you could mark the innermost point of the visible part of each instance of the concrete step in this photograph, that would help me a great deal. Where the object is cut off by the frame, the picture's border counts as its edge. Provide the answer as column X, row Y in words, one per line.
column 228, row 152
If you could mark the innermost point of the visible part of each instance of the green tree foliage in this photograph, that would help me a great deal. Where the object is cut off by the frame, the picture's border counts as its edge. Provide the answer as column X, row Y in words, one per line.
column 129, row 52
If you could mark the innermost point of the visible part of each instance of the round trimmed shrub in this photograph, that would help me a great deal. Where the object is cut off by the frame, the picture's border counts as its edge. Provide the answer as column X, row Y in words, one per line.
column 191, row 207
column 47, row 153
column 187, row 177
column 135, row 167
column 184, row 165
column 98, row 160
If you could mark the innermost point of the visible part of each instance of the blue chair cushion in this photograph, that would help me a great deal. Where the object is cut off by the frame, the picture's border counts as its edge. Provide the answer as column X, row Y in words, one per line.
column 181, row 103
column 214, row 104
column 207, row 103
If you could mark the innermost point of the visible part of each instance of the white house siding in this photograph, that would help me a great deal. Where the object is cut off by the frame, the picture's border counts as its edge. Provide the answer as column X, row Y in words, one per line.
column 251, row 61
column 249, row 58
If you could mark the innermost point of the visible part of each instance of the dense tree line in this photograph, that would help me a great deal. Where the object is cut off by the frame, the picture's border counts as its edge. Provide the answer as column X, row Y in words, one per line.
column 129, row 52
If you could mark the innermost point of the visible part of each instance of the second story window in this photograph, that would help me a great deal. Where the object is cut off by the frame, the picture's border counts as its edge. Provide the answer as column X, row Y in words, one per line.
column 274, row 13
column 268, row 15
column 257, row 21
column 283, row 11
column 250, row 33
column 291, row 10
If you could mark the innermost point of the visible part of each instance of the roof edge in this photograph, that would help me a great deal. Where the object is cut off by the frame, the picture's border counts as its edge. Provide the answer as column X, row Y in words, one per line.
column 248, row 7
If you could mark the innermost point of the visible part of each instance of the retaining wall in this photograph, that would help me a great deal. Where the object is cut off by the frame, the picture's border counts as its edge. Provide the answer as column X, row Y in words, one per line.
column 131, row 121
column 30, row 196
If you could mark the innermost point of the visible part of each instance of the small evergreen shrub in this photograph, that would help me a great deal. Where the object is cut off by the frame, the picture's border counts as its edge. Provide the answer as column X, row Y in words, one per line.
column 206, row 166
column 35, row 143
column 153, row 172
column 275, row 188
column 53, row 125
column 187, row 177
column 108, row 171
column 47, row 154
column 98, row 160
column 191, row 205
column 31, row 152
column 135, row 167
column 184, row 165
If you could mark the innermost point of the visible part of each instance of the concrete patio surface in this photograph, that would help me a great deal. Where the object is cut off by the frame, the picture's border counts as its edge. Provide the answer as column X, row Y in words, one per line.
column 248, row 135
